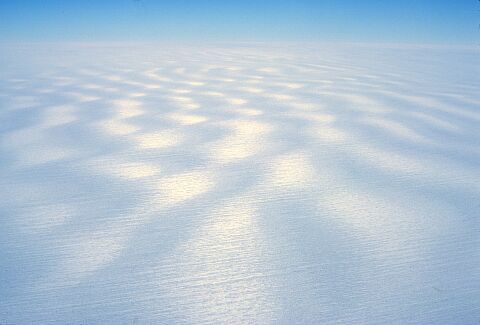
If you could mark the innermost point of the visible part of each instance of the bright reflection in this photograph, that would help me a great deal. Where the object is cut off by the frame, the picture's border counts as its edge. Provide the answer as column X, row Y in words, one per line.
column 188, row 119
column 243, row 142
column 185, row 102
column 118, row 127
column 252, row 90
column 327, row 133
column 182, row 187
column 214, row 94
column 137, row 94
column 126, row 108
column 159, row 139
column 291, row 171
column 236, row 101
column 248, row 111
column 195, row 83
column 181, row 91
column 279, row 97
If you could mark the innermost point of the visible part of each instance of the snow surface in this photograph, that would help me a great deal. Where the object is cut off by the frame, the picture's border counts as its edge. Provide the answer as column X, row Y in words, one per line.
column 239, row 183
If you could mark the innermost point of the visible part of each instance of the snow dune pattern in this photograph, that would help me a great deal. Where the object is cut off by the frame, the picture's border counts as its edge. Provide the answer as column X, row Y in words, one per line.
column 239, row 184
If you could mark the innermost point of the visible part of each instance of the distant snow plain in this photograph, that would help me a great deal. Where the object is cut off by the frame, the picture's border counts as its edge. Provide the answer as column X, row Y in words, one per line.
column 288, row 183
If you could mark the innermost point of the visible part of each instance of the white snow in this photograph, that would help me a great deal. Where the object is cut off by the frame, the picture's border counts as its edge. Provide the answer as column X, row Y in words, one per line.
column 239, row 183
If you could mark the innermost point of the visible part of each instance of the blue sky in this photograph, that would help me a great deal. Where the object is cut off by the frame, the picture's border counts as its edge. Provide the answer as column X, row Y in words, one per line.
column 411, row 21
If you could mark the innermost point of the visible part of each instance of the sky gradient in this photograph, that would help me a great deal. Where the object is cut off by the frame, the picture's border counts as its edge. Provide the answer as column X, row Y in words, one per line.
column 422, row 21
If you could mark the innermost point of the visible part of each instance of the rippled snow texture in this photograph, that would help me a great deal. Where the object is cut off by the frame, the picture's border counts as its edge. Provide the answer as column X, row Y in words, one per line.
column 239, row 184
